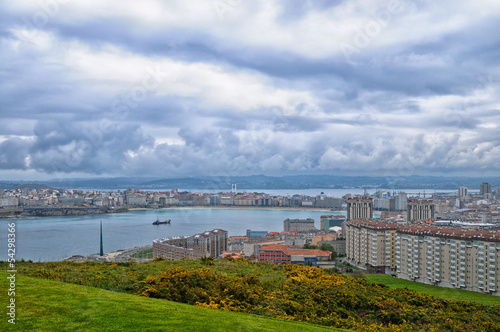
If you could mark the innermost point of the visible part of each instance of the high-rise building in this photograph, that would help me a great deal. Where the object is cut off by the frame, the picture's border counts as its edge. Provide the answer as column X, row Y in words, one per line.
column 400, row 201
column 215, row 200
column 485, row 188
column 359, row 208
column 463, row 192
column 372, row 245
column 420, row 210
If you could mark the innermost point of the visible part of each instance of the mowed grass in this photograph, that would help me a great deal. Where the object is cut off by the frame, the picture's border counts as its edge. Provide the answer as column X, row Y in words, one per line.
column 447, row 293
column 148, row 253
column 44, row 305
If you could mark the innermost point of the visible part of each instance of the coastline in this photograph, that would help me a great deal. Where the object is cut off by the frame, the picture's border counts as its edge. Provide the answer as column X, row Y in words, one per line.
column 242, row 207
column 71, row 212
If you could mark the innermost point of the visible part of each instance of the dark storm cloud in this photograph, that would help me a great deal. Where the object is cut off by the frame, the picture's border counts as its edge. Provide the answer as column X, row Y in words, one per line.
column 13, row 153
column 84, row 147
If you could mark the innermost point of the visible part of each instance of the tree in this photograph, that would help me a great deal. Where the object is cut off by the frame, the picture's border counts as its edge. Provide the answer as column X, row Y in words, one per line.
column 329, row 247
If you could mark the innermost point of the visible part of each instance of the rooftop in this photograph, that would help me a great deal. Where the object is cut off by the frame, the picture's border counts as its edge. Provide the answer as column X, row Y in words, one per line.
column 453, row 233
column 379, row 225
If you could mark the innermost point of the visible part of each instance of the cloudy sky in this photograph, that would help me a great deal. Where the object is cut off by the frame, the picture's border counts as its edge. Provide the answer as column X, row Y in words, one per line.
column 239, row 87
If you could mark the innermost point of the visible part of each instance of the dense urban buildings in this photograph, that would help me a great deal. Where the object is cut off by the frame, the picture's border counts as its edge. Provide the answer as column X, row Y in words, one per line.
column 399, row 241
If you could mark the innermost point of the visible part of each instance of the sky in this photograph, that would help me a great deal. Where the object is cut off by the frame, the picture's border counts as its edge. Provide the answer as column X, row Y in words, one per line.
column 97, row 88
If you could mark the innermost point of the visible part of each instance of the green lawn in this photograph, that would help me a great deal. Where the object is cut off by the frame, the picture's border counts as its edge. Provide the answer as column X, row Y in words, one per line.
column 148, row 253
column 447, row 293
column 44, row 305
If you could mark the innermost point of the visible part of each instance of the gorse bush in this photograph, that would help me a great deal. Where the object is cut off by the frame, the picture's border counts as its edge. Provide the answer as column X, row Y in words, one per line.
column 292, row 292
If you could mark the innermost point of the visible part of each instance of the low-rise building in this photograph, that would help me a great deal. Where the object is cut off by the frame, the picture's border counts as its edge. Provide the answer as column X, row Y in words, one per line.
column 281, row 254
column 300, row 225
column 330, row 221
column 328, row 202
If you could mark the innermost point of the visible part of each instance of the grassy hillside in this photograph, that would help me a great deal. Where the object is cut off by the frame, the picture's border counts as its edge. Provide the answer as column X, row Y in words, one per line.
column 44, row 305
column 297, row 292
column 447, row 293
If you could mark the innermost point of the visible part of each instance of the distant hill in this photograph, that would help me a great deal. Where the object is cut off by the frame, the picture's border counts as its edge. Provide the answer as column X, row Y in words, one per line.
column 22, row 185
column 262, row 182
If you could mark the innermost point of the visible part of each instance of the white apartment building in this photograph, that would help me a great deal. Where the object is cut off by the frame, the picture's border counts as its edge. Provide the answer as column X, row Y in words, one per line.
column 449, row 257
column 441, row 256
column 372, row 245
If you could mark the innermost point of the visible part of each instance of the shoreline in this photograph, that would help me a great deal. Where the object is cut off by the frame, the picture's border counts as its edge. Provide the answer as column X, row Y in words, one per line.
column 218, row 207
column 199, row 207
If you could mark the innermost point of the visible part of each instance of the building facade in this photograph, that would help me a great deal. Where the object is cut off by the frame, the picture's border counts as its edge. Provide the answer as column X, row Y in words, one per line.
column 372, row 245
column 300, row 225
column 463, row 192
column 450, row 257
column 400, row 201
column 282, row 254
column 331, row 221
column 359, row 208
column 328, row 202
column 485, row 188
column 420, row 210
column 442, row 256
column 211, row 243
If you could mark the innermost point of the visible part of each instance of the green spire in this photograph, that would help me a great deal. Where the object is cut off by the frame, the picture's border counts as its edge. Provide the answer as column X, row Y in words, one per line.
column 101, row 252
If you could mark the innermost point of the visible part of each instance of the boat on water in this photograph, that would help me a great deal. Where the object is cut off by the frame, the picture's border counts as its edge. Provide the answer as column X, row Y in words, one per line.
column 158, row 222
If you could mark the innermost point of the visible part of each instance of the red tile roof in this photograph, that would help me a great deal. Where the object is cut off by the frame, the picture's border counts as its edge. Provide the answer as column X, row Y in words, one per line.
column 275, row 247
column 315, row 252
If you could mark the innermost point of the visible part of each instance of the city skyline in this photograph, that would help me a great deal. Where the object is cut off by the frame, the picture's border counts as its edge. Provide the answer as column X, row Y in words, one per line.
column 227, row 88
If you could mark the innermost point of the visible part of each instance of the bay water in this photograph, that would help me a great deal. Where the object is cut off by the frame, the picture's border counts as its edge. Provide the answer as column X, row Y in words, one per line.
column 56, row 238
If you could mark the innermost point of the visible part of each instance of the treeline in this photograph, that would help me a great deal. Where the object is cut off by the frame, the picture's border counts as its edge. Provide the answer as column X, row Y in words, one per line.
column 293, row 292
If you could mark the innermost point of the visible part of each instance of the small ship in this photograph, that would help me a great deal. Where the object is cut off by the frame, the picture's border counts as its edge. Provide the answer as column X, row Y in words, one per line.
column 158, row 222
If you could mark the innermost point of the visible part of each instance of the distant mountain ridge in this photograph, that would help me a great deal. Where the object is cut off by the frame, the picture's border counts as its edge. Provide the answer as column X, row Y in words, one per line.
column 224, row 183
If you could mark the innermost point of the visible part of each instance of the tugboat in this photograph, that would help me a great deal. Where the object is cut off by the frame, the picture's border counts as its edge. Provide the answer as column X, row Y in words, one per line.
column 158, row 222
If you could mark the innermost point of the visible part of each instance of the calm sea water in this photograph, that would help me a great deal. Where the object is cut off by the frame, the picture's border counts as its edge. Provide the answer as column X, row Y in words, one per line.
column 56, row 238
